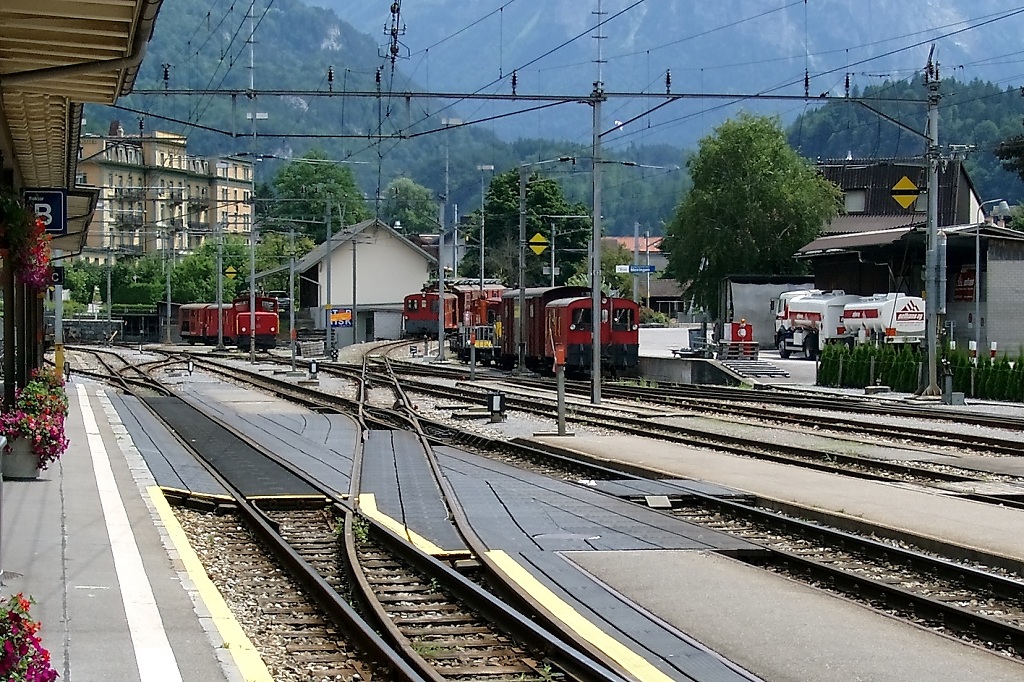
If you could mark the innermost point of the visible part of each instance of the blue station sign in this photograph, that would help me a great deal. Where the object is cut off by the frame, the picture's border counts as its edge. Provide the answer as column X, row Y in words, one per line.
column 51, row 205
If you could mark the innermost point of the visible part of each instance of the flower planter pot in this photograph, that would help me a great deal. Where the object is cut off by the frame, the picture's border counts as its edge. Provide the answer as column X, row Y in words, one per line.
column 20, row 463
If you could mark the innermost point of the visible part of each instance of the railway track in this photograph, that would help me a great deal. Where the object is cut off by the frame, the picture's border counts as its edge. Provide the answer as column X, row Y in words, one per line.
column 463, row 632
column 978, row 604
column 295, row 638
column 623, row 421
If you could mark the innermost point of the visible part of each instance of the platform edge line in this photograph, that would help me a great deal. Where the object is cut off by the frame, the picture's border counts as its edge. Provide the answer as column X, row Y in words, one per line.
column 236, row 642
column 368, row 506
column 632, row 662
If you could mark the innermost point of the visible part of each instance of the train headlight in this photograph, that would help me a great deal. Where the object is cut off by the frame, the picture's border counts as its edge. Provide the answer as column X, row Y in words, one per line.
column 572, row 327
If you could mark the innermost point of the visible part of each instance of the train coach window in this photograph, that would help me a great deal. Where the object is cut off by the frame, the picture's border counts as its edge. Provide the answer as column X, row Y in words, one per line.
column 412, row 305
column 622, row 320
column 581, row 318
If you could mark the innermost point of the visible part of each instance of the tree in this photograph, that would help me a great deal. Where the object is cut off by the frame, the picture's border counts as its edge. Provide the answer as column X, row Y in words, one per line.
column 545, row 205
column 411, row 204
column 753, row 204
column 303, row 189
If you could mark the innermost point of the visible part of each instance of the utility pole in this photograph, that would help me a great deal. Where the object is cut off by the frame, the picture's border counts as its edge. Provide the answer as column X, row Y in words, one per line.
column 597, row 96
column 932, row 294
column 252, row 223
column 328, row 329
column 170, row 264
column 521, row 313
column 220, row 285
column 291, row 289
column 636, row 262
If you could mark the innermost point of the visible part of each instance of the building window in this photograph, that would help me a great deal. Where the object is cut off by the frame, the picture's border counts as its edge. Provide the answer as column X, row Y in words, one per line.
column 855, row 200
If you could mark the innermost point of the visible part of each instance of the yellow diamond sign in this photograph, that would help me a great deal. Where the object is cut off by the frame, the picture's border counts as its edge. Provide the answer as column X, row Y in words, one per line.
column 538, row 243
column 905, row 192
column 230, row 272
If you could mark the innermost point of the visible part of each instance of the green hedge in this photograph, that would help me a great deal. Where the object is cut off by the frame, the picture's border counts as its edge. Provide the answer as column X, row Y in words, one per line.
column 902, row 368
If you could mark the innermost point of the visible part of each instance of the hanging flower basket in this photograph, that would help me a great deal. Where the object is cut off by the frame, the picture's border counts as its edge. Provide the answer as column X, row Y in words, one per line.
column 24, row 240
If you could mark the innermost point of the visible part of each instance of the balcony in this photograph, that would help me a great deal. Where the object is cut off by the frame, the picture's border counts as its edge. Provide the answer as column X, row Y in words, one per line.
column 174, row 195
column 200, row 202
column 129, row 193
column 129, row 219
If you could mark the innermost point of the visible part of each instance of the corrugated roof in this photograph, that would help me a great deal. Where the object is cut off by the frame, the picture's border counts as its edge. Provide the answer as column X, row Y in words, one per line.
column 837, row 243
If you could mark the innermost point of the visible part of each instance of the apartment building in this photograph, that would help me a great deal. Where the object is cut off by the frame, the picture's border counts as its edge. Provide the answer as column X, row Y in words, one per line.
column 156, row 198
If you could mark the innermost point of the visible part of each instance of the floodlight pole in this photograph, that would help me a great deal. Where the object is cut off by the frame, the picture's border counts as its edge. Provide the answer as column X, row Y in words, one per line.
column 482, row 169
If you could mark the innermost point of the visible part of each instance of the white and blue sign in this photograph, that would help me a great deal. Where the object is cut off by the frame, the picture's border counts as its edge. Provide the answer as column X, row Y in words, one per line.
column 51, row 205
column 639, row 269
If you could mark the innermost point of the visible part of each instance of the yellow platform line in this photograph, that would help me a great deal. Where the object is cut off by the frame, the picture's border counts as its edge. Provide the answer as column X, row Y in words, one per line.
column 247, row 658
column 632, row 662
column 368, row 505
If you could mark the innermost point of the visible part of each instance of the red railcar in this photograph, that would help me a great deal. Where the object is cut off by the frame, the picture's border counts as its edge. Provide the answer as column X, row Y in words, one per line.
column 569, row 324
column 420, row 314
column 199, row 322
column 532, row 335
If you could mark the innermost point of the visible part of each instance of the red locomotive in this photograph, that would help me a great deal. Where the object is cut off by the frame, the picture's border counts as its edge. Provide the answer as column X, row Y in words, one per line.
column 461, row 308
column 198, row 322
column 483, row 336
column 420, row 314
column 570, row 325
column 561, row 315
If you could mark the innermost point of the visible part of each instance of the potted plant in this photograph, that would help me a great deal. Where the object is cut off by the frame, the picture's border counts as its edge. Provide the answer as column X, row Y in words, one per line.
column 22, row 656
column 34, row 426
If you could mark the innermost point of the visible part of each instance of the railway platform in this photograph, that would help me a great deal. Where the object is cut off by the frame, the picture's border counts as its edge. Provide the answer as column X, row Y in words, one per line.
column 86, row 542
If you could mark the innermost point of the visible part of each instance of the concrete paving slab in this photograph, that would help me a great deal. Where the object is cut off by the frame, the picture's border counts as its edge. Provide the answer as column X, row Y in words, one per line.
column 929, row 513
column 784, row 631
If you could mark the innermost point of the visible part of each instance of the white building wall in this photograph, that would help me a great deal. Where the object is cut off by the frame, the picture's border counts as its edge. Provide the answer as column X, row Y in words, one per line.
column 387, row 269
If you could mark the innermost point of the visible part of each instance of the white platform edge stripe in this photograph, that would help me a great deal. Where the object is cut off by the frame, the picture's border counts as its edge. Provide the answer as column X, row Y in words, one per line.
column 153, row 654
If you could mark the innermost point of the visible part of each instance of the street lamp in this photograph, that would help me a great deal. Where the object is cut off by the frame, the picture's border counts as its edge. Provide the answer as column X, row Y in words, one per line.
column 1001, row 209
column 483, row 168
column 446, row 122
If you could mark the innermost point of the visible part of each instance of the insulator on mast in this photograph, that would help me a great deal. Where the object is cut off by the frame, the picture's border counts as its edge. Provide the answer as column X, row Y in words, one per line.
column 330, row 78
column 668, row 82
column 515, row 81
column 807, row 83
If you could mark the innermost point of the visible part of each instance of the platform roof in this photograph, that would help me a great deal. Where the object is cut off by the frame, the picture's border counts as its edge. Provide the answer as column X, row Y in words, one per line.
column 56, row 56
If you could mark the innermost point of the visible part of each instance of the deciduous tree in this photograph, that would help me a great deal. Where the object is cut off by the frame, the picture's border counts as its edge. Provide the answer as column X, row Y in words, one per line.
column 753, row 204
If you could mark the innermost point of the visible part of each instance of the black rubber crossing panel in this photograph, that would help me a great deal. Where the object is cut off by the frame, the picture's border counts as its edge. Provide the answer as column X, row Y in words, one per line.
column 323, row 446
column 519, row 510
column 171, row 464
column 396, row 471
column 240, row 463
